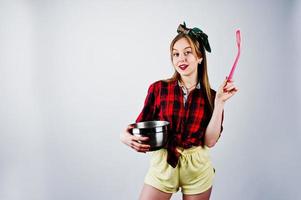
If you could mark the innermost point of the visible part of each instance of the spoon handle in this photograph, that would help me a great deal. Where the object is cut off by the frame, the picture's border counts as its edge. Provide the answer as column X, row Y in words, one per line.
column 238, row 40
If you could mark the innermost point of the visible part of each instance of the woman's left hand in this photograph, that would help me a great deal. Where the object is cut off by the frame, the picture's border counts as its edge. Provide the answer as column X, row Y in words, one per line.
column 225, row 91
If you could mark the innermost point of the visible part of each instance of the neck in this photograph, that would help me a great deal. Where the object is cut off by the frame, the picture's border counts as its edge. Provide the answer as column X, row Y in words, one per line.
column 189, row 82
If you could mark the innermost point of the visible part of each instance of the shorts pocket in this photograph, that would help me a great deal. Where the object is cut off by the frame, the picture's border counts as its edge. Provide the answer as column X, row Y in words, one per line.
column 202, row 157
column 158, row 157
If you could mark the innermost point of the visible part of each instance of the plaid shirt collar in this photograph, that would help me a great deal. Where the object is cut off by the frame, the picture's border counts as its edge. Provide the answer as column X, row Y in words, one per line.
column 198, row 86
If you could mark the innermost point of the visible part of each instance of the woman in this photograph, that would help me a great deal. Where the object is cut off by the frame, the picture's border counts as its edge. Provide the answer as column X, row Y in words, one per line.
column 195, row 114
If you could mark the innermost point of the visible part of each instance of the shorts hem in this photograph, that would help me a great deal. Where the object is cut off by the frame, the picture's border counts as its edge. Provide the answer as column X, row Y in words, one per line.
column 159, row 187
column 194, row 192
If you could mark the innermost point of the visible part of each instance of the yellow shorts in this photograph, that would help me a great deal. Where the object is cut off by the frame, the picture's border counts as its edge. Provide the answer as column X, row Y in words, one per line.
column 194, row 173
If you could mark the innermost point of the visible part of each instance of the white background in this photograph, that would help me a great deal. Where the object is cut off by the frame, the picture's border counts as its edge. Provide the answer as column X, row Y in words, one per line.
column 73, row 74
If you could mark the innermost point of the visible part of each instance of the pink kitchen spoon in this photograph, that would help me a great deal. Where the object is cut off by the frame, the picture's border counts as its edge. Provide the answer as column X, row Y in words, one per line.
column 237, row 56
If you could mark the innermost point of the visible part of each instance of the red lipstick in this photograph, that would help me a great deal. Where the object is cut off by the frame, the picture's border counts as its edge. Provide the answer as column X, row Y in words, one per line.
column 183, row 67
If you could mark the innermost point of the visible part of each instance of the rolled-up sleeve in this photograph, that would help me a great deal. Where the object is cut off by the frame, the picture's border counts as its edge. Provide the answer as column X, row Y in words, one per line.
column 149, row 110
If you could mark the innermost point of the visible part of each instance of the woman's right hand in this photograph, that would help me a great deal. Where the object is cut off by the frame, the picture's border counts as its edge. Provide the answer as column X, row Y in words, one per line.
column 136, row 142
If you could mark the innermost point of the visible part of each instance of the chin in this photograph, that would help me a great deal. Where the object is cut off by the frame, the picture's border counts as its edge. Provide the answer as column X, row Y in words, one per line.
column 185, row 73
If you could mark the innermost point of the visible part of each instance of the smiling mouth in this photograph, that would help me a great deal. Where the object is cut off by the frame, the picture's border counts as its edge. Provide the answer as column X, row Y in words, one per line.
column 183, row 67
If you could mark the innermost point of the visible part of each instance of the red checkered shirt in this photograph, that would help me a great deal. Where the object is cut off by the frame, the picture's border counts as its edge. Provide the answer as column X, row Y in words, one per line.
column 188, row 122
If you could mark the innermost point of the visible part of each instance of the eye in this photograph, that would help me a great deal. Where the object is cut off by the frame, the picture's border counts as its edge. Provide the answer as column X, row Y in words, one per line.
column 187, row 53
column 175, row 54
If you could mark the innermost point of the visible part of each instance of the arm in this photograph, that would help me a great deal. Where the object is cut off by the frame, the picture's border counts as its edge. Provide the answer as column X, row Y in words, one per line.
column 225, row 91
column 134, row 141
column 147, row 113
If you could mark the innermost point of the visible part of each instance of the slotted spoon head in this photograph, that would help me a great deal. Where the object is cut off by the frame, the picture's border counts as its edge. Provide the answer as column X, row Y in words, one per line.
column 238, row 39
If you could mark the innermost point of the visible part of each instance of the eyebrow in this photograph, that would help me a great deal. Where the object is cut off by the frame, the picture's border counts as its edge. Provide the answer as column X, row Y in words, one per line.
column 184, row 48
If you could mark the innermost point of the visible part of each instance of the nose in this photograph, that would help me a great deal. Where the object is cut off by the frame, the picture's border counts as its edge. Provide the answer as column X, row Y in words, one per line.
column 182, row 57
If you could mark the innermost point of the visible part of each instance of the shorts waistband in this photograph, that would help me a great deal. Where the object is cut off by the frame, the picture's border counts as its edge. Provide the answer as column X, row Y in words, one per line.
column 191, row 150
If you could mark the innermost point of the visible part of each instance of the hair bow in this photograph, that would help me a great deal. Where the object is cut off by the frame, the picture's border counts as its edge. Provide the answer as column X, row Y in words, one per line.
column 196, row 33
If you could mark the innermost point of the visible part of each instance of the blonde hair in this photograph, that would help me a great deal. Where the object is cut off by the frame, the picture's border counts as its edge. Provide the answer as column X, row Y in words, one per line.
column 198, row 50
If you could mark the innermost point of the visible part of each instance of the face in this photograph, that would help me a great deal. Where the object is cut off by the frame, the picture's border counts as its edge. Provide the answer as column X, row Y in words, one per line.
column 184, row 59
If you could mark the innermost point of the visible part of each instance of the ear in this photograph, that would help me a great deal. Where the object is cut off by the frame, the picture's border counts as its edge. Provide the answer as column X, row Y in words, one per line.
column 200, row 60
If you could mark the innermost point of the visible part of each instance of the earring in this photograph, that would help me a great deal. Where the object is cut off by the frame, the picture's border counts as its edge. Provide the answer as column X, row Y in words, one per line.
column 200, row 61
